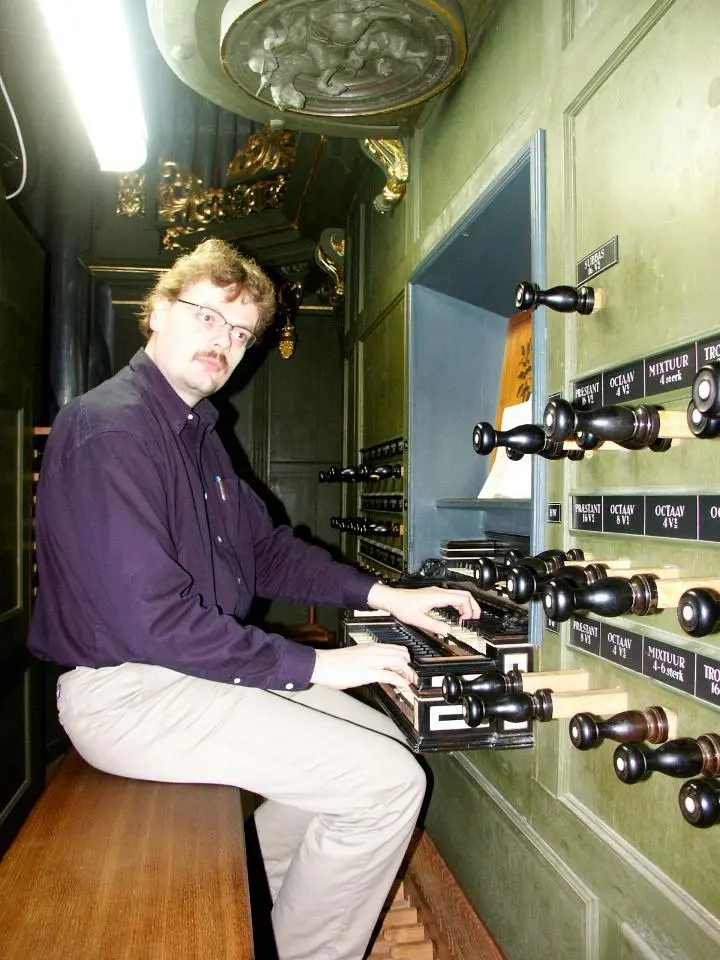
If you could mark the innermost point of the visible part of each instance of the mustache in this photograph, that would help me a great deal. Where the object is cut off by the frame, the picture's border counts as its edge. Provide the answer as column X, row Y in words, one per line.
column 213, row 355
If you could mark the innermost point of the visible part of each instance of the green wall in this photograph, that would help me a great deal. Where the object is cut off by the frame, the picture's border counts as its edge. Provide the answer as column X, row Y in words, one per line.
column 560, row 858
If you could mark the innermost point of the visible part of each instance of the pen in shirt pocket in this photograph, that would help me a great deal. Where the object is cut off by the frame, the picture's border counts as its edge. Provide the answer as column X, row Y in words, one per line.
column 220, row 486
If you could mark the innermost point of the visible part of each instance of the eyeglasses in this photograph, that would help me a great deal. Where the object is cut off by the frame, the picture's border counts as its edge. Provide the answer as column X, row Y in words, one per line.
column 213, row 321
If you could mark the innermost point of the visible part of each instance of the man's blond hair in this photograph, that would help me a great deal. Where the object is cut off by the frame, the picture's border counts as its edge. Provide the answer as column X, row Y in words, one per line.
column 221, row 264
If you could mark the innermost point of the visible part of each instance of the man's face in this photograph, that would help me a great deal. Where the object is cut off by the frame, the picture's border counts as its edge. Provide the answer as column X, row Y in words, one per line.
column 195, row 352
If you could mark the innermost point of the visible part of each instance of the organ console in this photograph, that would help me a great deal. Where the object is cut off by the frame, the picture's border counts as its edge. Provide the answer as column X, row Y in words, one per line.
column 491, row 686
column 654, row 725
column 700, row 802
column 641, row 594
column 633, row 427
column 564, row 299
column 683, row 757
column 542, row 705
column 698, row 611
column 497, row 644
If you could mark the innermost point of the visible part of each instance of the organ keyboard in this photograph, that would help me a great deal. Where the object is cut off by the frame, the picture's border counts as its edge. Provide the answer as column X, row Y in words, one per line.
column 498, row 641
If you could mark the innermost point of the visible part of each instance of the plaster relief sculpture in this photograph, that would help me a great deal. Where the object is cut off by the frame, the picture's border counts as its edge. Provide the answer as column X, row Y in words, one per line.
column 342, row 57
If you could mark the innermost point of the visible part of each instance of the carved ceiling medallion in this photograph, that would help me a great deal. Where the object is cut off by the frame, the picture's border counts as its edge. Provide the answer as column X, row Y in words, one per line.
column 342, row 58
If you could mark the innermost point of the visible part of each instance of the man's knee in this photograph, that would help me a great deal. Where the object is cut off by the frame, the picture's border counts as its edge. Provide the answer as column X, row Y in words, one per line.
column 409, row 779
column 419, row 782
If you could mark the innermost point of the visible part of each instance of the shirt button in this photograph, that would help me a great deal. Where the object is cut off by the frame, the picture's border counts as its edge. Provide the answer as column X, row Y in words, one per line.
column 219, row 539
column 237, row 680
column 190, row 416
column 205, row 495
column 289, row 686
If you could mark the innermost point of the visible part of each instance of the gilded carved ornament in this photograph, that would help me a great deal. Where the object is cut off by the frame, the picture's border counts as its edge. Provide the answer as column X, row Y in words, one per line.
column 289, row 294
column 390, row 156
column 330, row 255
column 189, row 207
column 130, row 195
column 271, row 148
column 286, row 344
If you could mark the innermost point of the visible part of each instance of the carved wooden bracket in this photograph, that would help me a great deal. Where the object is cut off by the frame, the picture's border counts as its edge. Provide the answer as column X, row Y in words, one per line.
column 390, row 156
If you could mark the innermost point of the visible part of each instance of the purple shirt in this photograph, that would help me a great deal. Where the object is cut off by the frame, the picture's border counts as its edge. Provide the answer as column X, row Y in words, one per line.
column 150, row 549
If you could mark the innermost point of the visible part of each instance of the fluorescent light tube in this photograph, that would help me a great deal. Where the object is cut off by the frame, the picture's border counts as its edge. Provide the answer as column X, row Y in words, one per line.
column 93, row 46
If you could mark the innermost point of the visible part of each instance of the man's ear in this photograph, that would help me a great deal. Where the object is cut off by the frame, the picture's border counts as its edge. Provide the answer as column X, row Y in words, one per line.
column 158, row 314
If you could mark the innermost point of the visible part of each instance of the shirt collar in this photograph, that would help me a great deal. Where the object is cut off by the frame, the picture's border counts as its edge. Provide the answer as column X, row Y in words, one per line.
column 172, row 405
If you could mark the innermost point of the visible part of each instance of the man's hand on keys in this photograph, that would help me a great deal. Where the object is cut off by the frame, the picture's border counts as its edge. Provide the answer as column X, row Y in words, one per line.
column 414, row 606
column 365, row 663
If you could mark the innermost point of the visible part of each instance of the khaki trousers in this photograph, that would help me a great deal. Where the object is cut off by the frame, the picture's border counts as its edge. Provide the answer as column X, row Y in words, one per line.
column 343, row 793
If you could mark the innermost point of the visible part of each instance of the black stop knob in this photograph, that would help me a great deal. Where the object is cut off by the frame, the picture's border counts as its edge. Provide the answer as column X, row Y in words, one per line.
column 343, row 474
column 706, row 390
column 526, row 438
column 698, row 612
column 488, row 686
column 516, row 708
column 483, row 439
column 702, row 424
column 473, row 711
column 700, row 802
column 634, row 427
column 543, row 562
column 523, row 582
column 559, row 419
column 628, row 727
column 676, row 758
column 611, row 597
column 487, row 572
column 564, row 299
column 382, row 473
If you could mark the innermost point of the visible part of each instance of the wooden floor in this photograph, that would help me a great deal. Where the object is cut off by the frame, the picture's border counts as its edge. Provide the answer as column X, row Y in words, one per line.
column 113, row 869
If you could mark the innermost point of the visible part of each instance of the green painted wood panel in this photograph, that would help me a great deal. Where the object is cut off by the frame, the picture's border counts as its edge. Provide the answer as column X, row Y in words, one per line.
column 383, row 378
column 628, row 94
column 505, row 866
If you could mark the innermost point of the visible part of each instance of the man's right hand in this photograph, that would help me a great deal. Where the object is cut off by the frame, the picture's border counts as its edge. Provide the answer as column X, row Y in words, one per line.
column 364, row 663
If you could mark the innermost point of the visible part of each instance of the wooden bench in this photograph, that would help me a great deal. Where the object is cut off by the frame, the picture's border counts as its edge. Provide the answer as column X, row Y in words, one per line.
column 112, row 869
